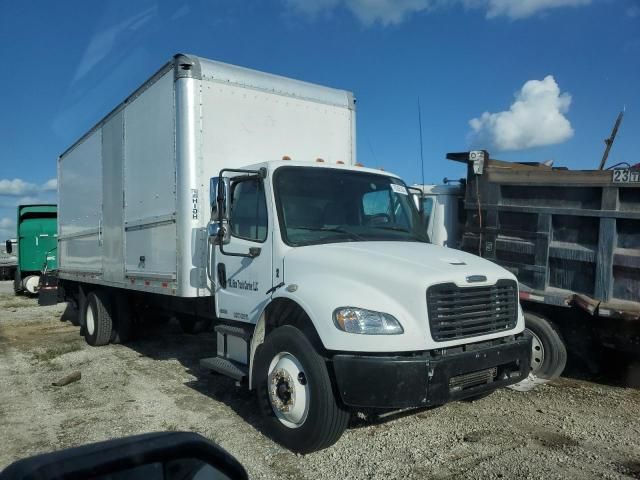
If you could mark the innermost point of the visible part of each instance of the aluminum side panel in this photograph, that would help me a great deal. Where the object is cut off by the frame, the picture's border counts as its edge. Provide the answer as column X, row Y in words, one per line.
column 151, row 250
column 149, row 169
column 112, row 188
column 80, row 205
column 150, row 181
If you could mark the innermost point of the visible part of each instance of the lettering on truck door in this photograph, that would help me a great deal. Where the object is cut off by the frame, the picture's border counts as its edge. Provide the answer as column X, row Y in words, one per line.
column 242, row 282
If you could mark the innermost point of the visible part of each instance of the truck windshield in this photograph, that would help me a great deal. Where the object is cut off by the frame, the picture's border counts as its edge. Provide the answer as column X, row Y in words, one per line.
column 322, row 205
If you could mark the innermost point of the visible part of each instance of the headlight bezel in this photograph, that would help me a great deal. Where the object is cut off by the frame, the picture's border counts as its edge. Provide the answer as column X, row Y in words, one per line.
column 365, row 321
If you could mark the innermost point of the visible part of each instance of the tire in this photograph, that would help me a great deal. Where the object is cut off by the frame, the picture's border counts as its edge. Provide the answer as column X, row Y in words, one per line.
column 309, row 426
column 97, row 318
column 194, row 326
column 549, row 354
column 17, row 283
column 123, row 321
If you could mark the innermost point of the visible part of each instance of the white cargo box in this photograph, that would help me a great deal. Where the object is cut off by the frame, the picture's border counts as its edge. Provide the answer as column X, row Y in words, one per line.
column 133, row 192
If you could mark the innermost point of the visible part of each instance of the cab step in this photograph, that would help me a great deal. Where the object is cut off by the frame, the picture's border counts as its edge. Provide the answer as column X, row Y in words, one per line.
column 226, row 367
column 243, row 333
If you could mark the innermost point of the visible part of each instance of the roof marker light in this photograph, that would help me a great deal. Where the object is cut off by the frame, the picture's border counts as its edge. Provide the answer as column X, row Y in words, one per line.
column 286, row 157
column 319, row 160
column 340, row 162
column 359, row 164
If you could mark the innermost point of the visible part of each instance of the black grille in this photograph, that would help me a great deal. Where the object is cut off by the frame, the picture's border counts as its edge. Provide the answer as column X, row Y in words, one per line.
column 460, row 312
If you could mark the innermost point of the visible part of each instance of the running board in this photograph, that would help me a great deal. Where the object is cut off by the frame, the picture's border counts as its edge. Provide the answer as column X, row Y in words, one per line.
column 244, row 333
column 225, row 367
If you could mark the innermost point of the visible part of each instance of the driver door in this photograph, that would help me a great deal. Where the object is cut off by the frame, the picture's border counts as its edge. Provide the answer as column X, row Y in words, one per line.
column 242, row 282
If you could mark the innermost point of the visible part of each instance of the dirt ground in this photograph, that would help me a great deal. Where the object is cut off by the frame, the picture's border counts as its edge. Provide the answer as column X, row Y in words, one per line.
column 567, row 429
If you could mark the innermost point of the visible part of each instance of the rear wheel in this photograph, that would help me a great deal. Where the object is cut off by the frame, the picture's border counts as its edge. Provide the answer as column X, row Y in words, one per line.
column 295, row 394
column 123, row 319
column 548, row 352
column 97, row 318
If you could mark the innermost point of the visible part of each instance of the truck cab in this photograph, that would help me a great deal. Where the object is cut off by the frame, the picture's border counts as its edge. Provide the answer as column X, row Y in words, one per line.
column 36, row 245
column 324, row 275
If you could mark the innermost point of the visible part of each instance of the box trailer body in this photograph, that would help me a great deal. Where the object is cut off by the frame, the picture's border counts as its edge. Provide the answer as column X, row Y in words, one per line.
column 571, row 237
column 36, row 245
column 134, row 191
column 219, row 194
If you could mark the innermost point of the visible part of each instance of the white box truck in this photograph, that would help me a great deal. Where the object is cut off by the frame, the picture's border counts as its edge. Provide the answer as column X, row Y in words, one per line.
column 232, row 198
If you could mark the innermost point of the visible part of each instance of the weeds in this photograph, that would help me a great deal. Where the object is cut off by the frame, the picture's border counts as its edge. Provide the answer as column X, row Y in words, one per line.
column 51, row 353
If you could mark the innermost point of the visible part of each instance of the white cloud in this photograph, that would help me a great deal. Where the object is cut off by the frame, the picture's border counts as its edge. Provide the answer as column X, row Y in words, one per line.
column 393, row 12
column 633, row 11
column 50, row 185
column 104, row 41
column 386, row 12
column 536, row 118
column 7, row 229
column 16, row 187
column 516, row 9
column 29, row 200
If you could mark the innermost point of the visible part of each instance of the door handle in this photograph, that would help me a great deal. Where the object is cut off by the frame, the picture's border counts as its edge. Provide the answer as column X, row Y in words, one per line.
column 222, row 275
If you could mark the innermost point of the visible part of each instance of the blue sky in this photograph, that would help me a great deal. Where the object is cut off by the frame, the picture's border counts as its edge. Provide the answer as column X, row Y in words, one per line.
column 569, row 66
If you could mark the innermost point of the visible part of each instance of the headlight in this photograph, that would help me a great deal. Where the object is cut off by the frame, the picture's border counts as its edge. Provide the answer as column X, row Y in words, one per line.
column 366, row 322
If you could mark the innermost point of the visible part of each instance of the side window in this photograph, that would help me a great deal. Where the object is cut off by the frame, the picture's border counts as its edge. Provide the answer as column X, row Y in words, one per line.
column 427, row 206
column 382, row 206
column 249, row 211
column 376, row 203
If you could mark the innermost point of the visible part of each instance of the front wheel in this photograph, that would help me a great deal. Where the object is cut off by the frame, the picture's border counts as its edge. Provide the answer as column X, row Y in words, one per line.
column 548, row 352
column 295, row 394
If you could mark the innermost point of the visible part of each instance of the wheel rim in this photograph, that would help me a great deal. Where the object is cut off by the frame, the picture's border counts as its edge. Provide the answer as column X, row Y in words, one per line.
column 90, row 322
column 288, row 390
column 31, row 284
column 537, row 352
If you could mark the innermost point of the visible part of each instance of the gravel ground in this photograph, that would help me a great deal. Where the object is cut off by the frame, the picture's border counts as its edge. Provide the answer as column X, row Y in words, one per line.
column 567, row 429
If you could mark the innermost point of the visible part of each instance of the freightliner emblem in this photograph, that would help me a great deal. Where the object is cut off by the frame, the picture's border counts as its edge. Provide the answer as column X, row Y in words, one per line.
column 476, row 278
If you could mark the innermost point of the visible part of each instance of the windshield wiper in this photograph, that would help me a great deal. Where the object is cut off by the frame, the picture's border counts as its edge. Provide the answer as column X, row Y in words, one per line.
column 391, row 227
column 353, row 235
column 412, row 235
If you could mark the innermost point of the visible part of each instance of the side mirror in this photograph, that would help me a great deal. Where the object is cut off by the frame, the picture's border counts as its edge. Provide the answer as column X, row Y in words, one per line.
column 218, row 235
column 417, row 196
column 153, row 456
column 8, row 246
column 219, row 191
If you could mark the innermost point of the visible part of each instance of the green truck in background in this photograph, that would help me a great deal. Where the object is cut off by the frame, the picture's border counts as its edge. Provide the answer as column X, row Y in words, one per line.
column 37, row 235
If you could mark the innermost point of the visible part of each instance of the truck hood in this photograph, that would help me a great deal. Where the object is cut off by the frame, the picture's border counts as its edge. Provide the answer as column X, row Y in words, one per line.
column 401, row 260
column 390, row 277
